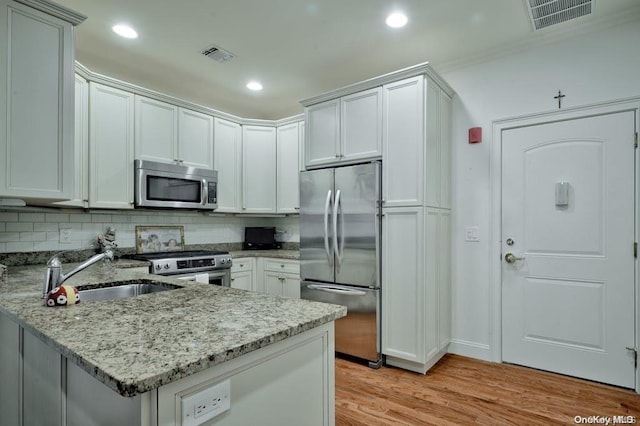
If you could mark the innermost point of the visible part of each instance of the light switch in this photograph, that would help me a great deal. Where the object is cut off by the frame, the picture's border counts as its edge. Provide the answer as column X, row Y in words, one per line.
column 472, row 233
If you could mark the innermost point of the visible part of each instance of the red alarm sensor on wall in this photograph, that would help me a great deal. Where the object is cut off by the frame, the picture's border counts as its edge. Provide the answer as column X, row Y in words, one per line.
column 475, row 135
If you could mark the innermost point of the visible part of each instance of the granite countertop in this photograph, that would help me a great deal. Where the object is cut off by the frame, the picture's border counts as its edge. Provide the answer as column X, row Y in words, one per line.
column 140, row 343
column 276, row 254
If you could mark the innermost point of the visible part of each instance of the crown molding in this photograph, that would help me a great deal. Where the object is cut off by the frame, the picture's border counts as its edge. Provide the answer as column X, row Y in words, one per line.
column 420, row 69
column 56, row 10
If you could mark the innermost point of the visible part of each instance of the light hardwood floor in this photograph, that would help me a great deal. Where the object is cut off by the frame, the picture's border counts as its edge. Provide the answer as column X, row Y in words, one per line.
column 460, row 391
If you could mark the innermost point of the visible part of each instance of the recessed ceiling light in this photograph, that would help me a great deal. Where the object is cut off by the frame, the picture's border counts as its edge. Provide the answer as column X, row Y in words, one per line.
column 397, row 20
column 125, row 31
column 254, row 85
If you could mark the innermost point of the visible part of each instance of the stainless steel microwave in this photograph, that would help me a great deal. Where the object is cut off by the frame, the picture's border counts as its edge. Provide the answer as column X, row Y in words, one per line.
column 174, row 186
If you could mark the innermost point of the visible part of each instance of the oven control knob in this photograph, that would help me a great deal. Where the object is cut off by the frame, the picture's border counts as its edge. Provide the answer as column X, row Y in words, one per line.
column 166, row 266
column 158, row 266
column 223, row 261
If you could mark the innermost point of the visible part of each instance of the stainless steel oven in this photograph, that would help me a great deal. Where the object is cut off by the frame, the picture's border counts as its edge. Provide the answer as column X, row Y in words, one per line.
column 174, row 186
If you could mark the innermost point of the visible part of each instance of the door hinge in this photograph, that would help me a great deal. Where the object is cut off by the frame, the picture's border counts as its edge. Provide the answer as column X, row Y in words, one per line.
column 635, row 354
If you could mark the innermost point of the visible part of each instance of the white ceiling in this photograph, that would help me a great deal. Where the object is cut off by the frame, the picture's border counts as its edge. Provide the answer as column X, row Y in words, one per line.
column 300, row 48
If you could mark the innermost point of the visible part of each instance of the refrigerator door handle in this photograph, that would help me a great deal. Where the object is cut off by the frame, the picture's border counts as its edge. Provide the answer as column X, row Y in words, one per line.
column 336, row 290
column 326, row 228
column 336, row 206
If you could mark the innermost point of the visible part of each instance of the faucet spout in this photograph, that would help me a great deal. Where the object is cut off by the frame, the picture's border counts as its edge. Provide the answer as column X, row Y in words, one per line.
column 54, row 276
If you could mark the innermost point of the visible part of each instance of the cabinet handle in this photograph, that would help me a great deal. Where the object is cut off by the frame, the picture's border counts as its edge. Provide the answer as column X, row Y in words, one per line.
column 337, row 155
column 242, row 265
column 233, row 279
column 282, row 265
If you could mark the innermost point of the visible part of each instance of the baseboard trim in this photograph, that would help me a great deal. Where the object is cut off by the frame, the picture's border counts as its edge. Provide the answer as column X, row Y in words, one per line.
column 471, row 349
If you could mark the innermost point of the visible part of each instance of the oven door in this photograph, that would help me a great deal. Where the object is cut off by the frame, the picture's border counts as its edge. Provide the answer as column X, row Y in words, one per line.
column 221, row 278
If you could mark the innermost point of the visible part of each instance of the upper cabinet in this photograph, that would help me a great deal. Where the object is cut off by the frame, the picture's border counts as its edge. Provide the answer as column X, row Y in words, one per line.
column 288, row 168
column 344, row 130
column 258, row 169
column 228, row 163
column 170, row 134
column 36, row 102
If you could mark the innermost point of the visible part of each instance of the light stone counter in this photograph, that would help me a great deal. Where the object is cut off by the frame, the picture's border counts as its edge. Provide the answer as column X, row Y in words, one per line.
column 276, row 254
column 140, row 343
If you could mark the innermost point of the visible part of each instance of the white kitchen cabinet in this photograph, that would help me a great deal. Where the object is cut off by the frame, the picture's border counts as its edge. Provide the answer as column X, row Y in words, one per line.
column 322, row 139
column 344, row 130
column 243, row 273
column 36, row 102
column 258, row 169
column 111, row 117
column 288, row 168
column 301, row 149
column 228, row 163
column 416, row 291
column 195, row 139
column 403, row 143
column 10, row 371
column 80, row 195
column 280, row 277
column 156, row 133
column 169, row 134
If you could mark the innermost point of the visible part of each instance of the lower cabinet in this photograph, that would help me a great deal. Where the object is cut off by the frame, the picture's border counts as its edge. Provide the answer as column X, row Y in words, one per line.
column 243, row 274
column 416, row 294
column 286, row 383
column 280, row 277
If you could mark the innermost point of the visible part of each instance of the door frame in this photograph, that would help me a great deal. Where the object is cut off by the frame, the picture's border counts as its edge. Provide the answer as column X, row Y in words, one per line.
column 495, row 213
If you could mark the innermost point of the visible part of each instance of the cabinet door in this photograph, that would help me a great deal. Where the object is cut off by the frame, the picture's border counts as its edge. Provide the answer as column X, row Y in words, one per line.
column 287, row 169
column 156, row 130
column 273, row 283
column 402, row 143
column 10, row 372
column 291, row 286
column 36, row 104
column 242, row 280
column 41, row 382
column 110, row 147
column 259, row 169
column 445, row 150
column 80, row 196
column 195, row 139
column 301, row 136
column 361, row 125
column 322, row 140
column 403, row 295
column 228, row 162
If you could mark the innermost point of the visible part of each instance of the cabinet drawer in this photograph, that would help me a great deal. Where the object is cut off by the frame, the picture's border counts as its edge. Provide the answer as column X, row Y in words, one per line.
column 242, row 264
column 282, row 265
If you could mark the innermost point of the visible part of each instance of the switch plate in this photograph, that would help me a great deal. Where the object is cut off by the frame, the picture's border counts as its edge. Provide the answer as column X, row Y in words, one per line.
column 472, row 233
column 204, row 405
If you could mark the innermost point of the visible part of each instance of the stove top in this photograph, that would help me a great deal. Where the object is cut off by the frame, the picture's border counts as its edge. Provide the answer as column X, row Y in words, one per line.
column 182, row 262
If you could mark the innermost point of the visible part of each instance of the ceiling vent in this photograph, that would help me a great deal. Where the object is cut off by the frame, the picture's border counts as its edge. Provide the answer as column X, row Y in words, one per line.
column 218, row 54
column 544, row 13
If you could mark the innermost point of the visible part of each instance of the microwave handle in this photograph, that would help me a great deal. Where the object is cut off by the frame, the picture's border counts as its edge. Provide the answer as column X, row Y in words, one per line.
column 205, row 192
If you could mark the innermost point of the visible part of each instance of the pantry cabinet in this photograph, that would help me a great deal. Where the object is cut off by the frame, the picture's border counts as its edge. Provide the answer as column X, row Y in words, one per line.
column 258, row 169
column 111, row 116
column 287, row 168
column 171, row 134
column 36, row 101
column 344, row 130
column 228, row 163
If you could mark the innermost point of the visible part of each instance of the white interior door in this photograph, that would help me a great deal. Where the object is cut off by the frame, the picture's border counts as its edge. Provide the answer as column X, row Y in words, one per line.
column 568, row 220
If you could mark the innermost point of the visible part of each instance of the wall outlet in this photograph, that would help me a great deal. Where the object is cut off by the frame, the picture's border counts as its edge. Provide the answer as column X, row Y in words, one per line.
column 65, row 236
column 204, row 405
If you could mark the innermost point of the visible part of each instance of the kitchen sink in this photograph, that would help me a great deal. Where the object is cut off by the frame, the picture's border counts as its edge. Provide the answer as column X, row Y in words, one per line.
column 121, row 289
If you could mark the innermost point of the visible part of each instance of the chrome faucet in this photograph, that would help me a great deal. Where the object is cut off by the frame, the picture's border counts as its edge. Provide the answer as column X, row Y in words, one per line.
column 54, row 276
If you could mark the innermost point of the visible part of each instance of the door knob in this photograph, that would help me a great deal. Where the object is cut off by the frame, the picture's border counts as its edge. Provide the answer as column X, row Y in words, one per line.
column 512, row 258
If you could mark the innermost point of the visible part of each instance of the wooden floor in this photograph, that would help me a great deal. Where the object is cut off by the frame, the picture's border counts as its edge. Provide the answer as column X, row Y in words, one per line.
column 460, row 391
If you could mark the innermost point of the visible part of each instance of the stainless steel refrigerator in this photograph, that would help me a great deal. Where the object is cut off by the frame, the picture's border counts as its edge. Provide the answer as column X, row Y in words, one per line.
column 340, row 251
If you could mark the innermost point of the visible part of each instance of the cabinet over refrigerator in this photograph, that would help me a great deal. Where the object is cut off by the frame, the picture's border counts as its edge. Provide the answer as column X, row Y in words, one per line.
column 340, row 251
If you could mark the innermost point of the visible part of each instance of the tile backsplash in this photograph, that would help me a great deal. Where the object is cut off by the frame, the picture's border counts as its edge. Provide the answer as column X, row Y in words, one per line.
column 26, row 231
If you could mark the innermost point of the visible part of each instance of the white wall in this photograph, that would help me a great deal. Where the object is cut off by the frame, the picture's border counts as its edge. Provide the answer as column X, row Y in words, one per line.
column 26, row 231
column 596, row 67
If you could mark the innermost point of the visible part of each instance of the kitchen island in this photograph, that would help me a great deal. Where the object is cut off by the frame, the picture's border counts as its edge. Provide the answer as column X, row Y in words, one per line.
column 138, row 360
